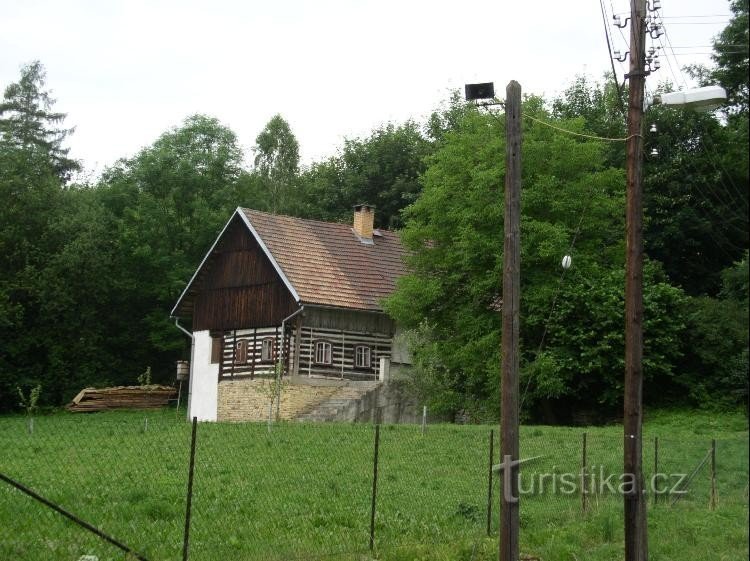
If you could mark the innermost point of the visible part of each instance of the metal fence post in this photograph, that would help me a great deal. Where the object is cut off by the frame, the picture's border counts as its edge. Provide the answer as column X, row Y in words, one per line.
column 583, row 475
column 654, row 477
column 374, row 487
column 489, row 485
column 189, row 502
column 713, row 501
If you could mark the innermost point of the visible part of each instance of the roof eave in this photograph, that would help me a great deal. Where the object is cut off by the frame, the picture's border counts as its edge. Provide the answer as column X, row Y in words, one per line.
column 346, row 308
column 195, row 274
column 248, row 224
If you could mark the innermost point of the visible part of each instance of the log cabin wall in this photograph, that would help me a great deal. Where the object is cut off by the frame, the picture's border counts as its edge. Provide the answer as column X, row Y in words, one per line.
column 243, row 353
column 348, row 320
column 343, row 348
column 239, row 288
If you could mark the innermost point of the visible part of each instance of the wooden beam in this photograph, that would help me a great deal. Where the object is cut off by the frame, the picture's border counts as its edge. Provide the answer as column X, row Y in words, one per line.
column 636, row 542
column 509, row 446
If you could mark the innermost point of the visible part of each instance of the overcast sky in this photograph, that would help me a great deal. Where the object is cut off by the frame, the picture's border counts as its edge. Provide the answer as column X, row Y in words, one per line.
column 125, row 72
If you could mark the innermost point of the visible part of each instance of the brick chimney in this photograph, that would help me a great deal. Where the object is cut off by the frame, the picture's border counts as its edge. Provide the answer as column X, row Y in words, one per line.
column 364, row 218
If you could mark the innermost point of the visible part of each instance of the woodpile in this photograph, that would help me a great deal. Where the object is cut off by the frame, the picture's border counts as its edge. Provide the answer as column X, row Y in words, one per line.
column 122, row 397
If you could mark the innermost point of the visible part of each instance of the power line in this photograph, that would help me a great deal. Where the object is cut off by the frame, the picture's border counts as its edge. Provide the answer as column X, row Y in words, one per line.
column 708, row 46
column 711, row 153
column 699, row 16
column 723, row 22
column 716, row 22
column 696, row 16
column 625, row 40
column 703, row 144
column 674, row 56
column 669, row 64
column 715, row 199
column 713, row 53
column 620, row 63
column 550, row 125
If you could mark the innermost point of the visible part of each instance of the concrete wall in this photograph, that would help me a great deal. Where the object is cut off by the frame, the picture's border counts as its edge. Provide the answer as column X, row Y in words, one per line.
column 204, row 378
column 400, row 353
column 388, row 403
column 248, row 400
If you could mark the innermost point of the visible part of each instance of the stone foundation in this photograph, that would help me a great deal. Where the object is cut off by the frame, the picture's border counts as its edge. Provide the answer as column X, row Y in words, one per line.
column 248, row 400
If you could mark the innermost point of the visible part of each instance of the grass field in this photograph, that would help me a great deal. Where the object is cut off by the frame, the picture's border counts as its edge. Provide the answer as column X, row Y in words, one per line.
column 304, row 490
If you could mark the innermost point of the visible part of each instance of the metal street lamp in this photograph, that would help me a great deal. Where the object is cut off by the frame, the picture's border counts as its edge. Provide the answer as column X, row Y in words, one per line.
column 707, row 98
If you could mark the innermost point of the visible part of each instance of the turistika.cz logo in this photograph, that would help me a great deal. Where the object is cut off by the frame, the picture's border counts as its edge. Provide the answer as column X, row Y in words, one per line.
column 594, row 480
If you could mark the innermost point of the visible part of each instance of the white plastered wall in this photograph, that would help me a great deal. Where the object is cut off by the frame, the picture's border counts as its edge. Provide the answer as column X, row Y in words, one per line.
column 204, row 379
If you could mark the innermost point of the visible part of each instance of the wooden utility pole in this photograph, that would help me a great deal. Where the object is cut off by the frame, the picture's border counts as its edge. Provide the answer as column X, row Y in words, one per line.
column 509, row 506
column 636, row 538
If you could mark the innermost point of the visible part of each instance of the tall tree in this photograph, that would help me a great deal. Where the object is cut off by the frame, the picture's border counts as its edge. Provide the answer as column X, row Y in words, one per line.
column 695, row 197
column 447, row 117
column 382, row 169
column 27, row 120
column 731, row 58
column 601, row 106
column 695, row 192
column 96, row 270
column 168, row 202
column 31, row 193
column 277, row 161
column 454, row 232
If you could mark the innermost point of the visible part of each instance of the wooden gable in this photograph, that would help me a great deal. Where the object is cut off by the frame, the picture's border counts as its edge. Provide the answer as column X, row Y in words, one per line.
column 237, row 287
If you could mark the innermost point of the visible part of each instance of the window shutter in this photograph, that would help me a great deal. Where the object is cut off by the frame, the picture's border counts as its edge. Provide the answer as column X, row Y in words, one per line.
column 216, row 349
column 240, row 356
column 267, row 350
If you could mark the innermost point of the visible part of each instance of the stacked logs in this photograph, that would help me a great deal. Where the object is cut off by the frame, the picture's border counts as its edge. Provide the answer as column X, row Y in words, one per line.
column 122, row 397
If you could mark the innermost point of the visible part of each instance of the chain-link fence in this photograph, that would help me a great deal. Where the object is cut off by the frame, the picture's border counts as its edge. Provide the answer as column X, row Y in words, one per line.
column 125, row 475
column 304, row 491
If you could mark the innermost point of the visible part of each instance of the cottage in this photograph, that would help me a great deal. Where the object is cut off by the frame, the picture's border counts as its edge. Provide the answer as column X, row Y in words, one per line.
column 298, row 299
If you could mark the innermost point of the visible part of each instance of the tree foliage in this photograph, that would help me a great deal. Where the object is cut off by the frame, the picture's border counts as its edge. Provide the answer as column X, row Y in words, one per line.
column 731, row 58
column 572, row 331
column 30, row 188
column 714, row 371
column 601, row 106
column 382, row 170
column 454, row 231
column 695, row 197
column 28, row 122
column 92, row 271
column 695, row 189
column 277, row 163
column 89, row 272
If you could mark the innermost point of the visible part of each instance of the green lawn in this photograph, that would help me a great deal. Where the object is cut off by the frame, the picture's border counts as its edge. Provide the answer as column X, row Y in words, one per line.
column 304, row 490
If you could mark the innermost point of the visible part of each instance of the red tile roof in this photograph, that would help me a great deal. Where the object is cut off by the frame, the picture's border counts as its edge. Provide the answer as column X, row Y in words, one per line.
column 327, row 264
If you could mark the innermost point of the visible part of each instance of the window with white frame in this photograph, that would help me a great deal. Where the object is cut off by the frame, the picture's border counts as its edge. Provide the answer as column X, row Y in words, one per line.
column 323, row 352
column 267, row 350
column 362, row 356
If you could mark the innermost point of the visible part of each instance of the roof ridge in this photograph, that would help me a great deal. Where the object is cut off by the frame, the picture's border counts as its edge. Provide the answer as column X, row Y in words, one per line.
column 297, row 218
